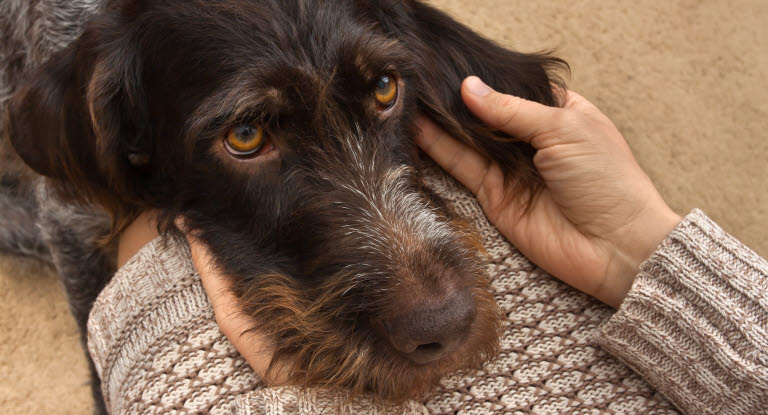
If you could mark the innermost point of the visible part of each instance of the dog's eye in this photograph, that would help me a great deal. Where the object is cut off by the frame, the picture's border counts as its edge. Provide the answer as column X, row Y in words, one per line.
column 386, row 90
column 244, row 140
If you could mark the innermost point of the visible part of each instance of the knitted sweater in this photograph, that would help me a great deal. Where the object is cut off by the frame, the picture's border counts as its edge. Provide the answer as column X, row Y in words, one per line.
column 693, row 330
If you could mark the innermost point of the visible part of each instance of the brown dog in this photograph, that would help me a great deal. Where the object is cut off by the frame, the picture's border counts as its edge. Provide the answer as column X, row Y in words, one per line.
column 282, row 131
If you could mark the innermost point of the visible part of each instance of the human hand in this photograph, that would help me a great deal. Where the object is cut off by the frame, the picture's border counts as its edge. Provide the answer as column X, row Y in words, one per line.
column 598, row 216
column 237, row 327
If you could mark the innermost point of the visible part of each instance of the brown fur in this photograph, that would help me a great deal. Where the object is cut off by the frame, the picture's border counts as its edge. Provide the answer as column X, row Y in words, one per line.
column 335, row 235
column 324, row 357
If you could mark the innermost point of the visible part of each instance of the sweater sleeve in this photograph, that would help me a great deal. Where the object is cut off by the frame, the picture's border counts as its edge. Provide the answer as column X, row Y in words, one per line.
column 695, row 323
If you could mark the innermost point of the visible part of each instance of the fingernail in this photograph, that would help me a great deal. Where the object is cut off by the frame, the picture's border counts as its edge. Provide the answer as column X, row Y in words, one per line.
column 475, row 86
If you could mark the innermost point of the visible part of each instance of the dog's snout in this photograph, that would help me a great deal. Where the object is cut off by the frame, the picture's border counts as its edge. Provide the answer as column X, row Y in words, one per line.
column 426, row 333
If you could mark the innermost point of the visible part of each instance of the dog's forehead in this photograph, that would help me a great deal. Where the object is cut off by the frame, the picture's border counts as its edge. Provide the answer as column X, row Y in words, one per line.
column 220, row 59
column 207, row 49
column 285, row 33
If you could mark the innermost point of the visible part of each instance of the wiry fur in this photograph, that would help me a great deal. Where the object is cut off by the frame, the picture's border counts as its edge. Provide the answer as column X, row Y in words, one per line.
column 32, row 31
column 18, row 235
column 33, row 222
column 74, row 236
column 336, row 232
column 349, row 361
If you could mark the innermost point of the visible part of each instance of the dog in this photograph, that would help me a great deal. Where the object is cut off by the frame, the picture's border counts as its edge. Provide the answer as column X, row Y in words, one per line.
column 282, row 132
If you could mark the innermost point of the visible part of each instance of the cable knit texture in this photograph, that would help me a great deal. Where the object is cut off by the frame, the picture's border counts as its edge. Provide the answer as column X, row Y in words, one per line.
column 157, row 348
column 695, row 323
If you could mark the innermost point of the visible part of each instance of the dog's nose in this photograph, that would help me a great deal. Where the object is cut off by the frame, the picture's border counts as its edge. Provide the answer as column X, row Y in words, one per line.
column 426, row 333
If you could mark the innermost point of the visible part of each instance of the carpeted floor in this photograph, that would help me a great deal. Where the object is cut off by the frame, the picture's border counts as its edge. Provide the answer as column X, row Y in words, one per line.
column 684, row 80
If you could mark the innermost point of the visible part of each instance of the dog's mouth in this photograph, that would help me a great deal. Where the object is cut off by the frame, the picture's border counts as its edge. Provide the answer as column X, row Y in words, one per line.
column 391, row 360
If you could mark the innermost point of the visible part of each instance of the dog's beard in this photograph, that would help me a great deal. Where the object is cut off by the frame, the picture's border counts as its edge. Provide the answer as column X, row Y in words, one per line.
column 328, row 345
column 367, row 244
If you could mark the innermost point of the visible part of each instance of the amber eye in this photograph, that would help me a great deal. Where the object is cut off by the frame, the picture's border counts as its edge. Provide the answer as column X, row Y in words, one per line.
column 386, row 90
column 244, row 140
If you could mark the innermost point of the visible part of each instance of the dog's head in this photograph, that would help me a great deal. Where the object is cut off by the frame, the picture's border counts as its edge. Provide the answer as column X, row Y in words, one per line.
column 282, row 131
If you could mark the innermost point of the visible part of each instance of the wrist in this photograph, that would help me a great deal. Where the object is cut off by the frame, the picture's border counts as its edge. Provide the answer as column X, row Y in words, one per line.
column 639, row 241
column 648, row 232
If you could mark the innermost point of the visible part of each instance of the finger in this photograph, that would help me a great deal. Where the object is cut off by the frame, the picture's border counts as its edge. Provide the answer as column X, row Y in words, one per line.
column 213, row 281
column 456, row 158
column 515, row 116
column 219, row 289
column 218, row 286
column 236, row 326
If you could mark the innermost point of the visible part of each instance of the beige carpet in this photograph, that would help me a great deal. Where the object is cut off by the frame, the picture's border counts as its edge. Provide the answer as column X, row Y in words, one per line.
column 684, row 80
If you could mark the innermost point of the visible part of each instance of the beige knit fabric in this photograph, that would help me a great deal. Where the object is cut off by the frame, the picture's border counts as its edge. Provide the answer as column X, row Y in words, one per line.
column 156, row 343
column 695, row 324
column 157, row 348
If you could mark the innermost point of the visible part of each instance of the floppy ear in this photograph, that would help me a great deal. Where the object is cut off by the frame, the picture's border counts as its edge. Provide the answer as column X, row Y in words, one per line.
column 446, row 52
column 47, row 125
column 80, row 120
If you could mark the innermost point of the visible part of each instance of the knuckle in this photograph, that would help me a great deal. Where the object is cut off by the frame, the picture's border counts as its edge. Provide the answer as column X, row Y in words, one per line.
column 547, row 156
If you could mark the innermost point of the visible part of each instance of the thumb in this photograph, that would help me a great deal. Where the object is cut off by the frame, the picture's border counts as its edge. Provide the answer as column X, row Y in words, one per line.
column 515, row 116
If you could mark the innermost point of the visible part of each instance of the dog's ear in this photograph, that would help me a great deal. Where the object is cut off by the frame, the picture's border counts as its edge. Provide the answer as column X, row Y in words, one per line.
column 81, row 120
column 46, row 122
column 446, row 52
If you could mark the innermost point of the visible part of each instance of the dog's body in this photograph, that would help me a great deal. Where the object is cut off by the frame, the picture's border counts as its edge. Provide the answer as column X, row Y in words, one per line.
column 35, row 223
column 281, row 131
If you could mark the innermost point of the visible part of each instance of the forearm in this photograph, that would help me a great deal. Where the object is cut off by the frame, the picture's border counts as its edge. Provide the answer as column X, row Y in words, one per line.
column 695, row 323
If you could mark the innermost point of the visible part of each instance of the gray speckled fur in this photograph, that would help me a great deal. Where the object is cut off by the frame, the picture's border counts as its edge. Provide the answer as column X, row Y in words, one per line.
column 33, row 222
column 73, row 236
column 31, row 31
column 19, row 234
